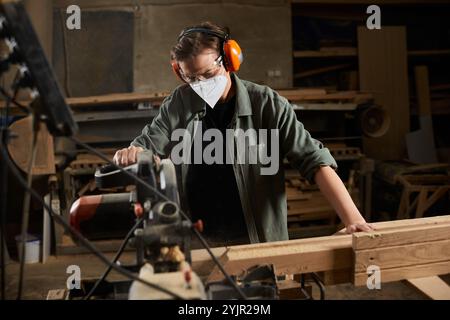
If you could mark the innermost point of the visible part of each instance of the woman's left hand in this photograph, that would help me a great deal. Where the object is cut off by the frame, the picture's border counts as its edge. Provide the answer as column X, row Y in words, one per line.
column 357, row 227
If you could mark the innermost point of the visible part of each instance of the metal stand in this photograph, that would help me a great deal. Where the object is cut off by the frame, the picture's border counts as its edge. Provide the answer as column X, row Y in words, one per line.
column 4, row 257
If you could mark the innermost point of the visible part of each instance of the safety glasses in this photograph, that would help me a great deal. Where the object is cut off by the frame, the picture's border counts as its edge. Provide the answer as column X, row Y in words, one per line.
column 211, row 72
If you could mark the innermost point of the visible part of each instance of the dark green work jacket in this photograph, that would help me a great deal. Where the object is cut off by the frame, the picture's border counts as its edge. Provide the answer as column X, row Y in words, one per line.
column 263, row 197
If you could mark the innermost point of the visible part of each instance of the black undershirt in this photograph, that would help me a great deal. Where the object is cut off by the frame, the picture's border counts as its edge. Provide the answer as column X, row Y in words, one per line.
column 211, row 188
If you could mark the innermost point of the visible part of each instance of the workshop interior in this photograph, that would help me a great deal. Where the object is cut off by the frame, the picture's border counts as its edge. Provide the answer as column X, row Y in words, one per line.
column 95, row 206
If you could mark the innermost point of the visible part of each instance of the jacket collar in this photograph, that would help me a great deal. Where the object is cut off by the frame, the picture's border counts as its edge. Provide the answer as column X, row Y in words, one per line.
column 243, row 103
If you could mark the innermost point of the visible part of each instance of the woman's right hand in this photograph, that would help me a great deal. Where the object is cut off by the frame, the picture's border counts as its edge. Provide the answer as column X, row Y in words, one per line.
column 127, row 156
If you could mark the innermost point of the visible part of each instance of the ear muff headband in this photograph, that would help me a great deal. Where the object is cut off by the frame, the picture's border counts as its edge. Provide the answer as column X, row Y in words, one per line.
column 220, row 35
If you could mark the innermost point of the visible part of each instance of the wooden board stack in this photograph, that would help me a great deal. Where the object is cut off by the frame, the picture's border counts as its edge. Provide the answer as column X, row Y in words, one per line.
column 403, row 252
column 403, row 249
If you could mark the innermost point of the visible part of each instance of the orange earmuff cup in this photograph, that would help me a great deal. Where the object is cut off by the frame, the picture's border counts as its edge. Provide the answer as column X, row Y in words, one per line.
column 233, row 55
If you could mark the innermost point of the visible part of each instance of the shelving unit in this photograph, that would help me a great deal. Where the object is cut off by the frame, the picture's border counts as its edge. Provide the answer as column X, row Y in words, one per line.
column 326, row 53
column 353, row 52
column 321, row 62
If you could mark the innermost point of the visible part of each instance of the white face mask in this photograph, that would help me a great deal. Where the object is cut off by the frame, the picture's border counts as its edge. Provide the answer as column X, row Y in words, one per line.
column 210, row 90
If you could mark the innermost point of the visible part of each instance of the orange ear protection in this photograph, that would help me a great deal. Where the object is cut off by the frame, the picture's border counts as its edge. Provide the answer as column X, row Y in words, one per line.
column 230, row 50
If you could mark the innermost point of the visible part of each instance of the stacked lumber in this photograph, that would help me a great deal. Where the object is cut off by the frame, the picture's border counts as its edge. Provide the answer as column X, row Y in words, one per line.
column 318, row 95
column 104, row 102
column 117, row 98
column 89, row 161
column 403, row 249
column 309, row 213
column 403, row 252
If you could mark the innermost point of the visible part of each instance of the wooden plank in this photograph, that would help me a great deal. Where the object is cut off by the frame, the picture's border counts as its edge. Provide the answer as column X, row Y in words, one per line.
column 438, row 87
column 408, row 272
column 383, row 70
column 364, row 2
column 403, row 255
column 422, row 90
column 110, row 99
column 433, row 287
column 440, row 192
column 288, row 257
column 418, row 250
column 313, row 72
column 296, row 194
column 116, row 98
column 57, row 294
column 408, row 235
column 308, row 91
column 304, row 255
column 407, row 223
column 428, row 179
column 422, row 199
column 308, row 206
column 428, row 52
column 324, row 106
column 292, row 217
column 352, row 52
column 420, row 144
column 330, row 52
column 339, row 95
column 63, row 4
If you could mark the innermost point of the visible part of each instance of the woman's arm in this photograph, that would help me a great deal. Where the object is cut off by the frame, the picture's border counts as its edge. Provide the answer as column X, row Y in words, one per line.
column 334, row 190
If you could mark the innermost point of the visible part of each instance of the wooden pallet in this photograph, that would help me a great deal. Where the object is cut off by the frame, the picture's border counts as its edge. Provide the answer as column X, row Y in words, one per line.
column 309, row 212
column 345, row 153
column 88, row 161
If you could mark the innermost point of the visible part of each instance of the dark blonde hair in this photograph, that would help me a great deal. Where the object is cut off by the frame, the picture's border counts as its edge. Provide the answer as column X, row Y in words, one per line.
column 193, row 43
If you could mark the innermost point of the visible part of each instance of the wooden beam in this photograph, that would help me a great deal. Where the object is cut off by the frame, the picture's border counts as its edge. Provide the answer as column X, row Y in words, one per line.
column 406, row 223
column 352, row 52
column 289, row 257
column 403, row 255
column 105, row 100
column 117, row 98
column 330, row 52
column 319, row 254
column 433, row 287
column 364, row 2
column 89, row 4
column 405, row 252
column 313, row 72
column 383, row 70
column 422, row 90
column 408, row 235
column 325, row 106
column 301, row 95
column 408, row 272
